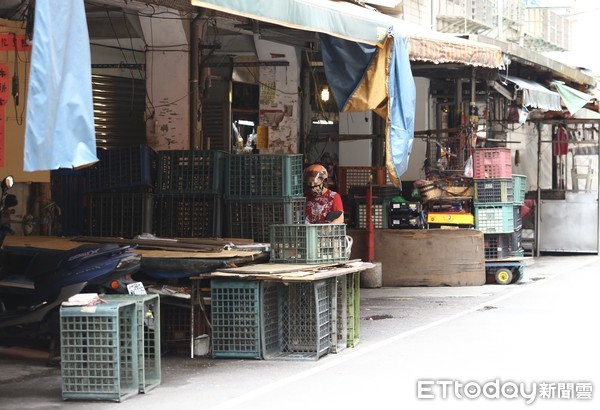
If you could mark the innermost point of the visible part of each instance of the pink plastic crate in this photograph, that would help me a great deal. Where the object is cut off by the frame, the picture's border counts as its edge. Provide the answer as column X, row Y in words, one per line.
column 492, row 163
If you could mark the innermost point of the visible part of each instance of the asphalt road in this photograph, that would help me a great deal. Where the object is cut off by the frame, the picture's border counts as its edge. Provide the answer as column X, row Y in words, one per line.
column 527, row 345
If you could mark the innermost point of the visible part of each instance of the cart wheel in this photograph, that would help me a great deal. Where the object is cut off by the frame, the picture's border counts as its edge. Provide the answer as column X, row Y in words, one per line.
column 503, row 276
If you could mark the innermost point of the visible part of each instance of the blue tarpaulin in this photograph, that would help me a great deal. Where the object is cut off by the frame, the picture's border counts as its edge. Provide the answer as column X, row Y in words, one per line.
column 59, row 131
column 364, row 77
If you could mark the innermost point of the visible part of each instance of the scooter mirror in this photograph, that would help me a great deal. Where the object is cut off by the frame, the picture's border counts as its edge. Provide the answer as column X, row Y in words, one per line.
column 8, row 182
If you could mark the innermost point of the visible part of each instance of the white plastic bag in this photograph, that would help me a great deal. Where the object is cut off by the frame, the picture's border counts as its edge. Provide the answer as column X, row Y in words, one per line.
column 469, row 167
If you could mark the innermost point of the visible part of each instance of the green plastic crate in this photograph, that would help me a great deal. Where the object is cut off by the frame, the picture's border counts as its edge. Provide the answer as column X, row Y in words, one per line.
column 493, row 190
column 148, row 332
column 99, row 351
column 353, row 283
column 520, row 187
column 264, row 176
column 494, row 218
column 235, row 317
column 308, row 243
column 191, row 171
column 251, row 218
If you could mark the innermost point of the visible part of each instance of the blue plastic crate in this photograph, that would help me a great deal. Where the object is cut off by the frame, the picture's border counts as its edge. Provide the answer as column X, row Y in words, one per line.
column 264, row 176
column 69, row 191
column 131, row 167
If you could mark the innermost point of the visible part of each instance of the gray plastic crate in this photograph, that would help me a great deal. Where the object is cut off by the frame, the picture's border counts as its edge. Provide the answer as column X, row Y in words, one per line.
column 339, row 316
column 235, row 317
column 295, row 320
column 99, row 351
column 148, row 332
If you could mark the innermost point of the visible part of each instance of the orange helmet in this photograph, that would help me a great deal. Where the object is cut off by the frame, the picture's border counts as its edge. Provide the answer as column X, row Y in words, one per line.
column 315, row 174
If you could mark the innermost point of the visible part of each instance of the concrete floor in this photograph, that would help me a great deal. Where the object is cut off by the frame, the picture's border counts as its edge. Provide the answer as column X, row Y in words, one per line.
column 419, row 324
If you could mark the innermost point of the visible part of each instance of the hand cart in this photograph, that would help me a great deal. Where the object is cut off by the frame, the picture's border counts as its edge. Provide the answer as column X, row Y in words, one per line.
column 507, row 270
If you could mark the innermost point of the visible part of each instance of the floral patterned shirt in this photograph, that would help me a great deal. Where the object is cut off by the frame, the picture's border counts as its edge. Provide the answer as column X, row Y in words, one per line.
column 318, row 207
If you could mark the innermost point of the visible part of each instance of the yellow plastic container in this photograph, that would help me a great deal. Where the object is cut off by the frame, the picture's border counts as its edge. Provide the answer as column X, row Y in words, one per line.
column 453, row 218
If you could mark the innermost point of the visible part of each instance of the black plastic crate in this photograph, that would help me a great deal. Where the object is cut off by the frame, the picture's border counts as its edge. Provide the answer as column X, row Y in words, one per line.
column 251, row 218
column 405, row 221
column 69, row 189
column 494, row 190
column 119, row 214
column 188, row 215
column 497, row 246
column 516, row 245
column 191, row 171
column 254, row 176
column 405, row 208
column 131, row 167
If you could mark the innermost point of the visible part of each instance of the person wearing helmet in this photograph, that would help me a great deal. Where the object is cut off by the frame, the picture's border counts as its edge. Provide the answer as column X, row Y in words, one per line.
column 321, row 202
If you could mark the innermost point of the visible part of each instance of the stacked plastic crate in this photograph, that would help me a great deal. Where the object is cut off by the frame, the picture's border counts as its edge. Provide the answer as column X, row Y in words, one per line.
column 353, row 183
column 381, row 199
column 262, row 190
column 69, row 190
column 498, row 197
column 121, row 186
column 189, row 193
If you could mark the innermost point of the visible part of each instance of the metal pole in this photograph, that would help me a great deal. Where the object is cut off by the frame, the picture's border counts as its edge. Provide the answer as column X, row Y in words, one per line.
column 538, row 204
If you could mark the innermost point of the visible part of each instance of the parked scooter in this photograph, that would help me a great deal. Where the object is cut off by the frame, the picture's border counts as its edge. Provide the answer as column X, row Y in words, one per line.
column 34, row 281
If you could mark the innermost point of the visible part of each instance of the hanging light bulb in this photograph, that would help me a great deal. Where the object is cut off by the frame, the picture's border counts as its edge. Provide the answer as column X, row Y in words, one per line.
column 325, row 94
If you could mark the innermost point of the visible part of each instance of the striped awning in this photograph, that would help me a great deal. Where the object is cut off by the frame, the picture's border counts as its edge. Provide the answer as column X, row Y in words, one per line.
column 454, row 50
column 364, row 25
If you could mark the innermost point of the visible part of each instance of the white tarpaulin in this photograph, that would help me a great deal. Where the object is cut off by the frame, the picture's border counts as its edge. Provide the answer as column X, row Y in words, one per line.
column 59, row 132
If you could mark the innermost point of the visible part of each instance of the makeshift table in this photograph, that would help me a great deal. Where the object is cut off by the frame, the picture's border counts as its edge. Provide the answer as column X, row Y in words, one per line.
column 282, row 311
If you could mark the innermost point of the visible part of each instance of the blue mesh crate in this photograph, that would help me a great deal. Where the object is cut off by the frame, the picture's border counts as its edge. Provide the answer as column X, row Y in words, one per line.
column 99, row 351
column 491, row 190
column 494, row 218
column 69, row 190
column 264, row 176
column 252, row 218
column 353, row 284
column 148, row 336
column 295, row 320
column 116, row 214
column 304, row 243
column 123, row 168
column 520, row 187
column 188, row 215
column 191, row 171
column 235, row 317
